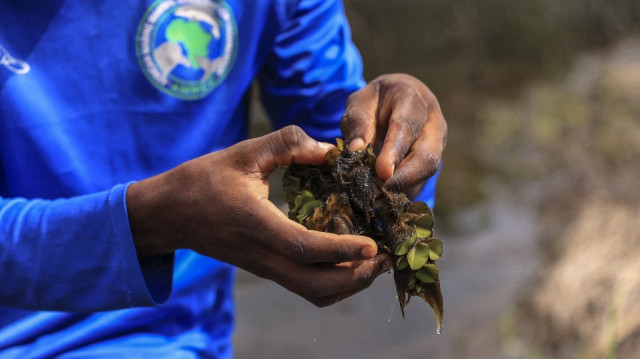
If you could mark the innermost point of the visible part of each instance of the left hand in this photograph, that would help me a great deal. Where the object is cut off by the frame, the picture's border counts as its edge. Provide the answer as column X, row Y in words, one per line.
column 218, row 205
column 401, row 118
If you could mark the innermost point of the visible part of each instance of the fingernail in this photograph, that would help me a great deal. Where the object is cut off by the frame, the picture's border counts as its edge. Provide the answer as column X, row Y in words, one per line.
column 368, row 251
column 356, row 144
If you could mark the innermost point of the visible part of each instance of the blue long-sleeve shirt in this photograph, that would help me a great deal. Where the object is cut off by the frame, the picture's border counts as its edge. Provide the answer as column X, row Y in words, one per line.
column 118, row 92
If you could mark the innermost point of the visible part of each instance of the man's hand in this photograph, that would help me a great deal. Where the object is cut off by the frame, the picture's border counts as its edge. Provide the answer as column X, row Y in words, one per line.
column 218, row 206
column 401, row 118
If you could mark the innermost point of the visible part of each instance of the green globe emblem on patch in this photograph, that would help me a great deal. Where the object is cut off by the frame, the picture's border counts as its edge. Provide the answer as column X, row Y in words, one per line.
column 187, row 47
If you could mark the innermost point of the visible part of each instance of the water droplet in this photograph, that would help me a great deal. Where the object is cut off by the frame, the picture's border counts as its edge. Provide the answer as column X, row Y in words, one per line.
column 440, row 330
column 393, row 308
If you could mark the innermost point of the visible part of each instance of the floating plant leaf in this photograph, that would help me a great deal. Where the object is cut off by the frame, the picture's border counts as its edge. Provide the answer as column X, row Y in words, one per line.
column 424, row 225
column 422, row 232
column 432, row 269
column 371, row 157
column 402, row 263
column 419, row 207
column 406, row 245
column 307, row 208
column 435, row 245
column 292, row 187
column 330, row 156
column 304, row 197
column 425, row 276
column 418, row 255
column 345, row 196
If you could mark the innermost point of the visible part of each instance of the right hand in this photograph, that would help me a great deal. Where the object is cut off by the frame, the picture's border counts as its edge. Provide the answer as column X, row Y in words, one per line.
column 218, row 206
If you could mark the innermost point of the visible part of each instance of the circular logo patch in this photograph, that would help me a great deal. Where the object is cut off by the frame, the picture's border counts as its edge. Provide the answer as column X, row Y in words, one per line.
column 187, row 47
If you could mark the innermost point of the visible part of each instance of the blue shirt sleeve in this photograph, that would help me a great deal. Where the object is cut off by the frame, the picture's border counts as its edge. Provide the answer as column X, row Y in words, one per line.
column 313, row 68
column 76, row 254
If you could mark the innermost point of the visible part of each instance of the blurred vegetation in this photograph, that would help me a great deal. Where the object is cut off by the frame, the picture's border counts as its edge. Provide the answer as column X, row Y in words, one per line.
column 491, row 45
column 541, row 98
column 478, row 57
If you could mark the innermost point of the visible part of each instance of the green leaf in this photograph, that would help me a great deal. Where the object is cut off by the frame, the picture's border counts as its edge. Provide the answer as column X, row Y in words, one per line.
column 432, row 269
column 331, row 155
column 370, row 151
column 422, row 232
column 411, row 286
column 405, row 245
column 291, row 185
column 371, row 157
column 424, row 276
column 425, row 221
column 435, row 246
column 301, row 199
column 308, row 208
column 402, row 263
column 418, row 255
column 418, row 207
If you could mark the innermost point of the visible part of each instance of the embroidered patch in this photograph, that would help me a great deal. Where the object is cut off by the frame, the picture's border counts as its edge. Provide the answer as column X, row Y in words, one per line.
column 186, row 48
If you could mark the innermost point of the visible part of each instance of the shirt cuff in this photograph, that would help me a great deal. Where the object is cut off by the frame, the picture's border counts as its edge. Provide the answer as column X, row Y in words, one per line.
column 149, row 280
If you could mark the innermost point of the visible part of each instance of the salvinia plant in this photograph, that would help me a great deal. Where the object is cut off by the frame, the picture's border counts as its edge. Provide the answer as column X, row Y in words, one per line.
column 345, row 196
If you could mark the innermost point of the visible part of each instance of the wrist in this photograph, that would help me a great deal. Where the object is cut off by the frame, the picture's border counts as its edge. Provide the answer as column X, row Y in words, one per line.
column 148, row 208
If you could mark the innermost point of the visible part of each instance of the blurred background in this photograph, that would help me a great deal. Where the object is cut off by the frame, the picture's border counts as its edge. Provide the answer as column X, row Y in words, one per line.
column 538, row 202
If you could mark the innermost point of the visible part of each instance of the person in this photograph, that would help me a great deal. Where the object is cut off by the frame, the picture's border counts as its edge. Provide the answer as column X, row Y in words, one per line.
column 128, row 187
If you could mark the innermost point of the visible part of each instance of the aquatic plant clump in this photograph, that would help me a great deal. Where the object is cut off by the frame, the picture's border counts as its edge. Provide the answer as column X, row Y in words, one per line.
column 345, row 196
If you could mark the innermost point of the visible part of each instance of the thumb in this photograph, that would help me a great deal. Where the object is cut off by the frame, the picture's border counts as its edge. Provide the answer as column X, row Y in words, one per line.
column 282, row 148
column 307, row 246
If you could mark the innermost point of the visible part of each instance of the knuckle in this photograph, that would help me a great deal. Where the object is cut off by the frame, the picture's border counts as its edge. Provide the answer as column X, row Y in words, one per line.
column 414, row 124
column 342, row 254
column 292, row 136
column 291, row 130
column 416, row 94
column 445, row 132
column 426, row 167
column 397, row 147
column 354, row 97
column 407, row 176
column 240, row 156
column 385, row 79
column 408, row 126
column 395, row 183
column 442, row 121
column 437, row 121
column 352, row 118
column 432, row 164
column 298, row 248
